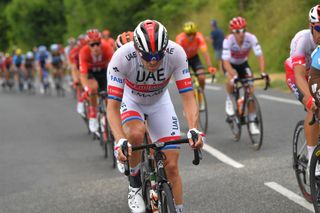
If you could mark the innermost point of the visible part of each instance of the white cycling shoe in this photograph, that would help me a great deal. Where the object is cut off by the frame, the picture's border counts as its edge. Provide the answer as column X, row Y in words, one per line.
column 80, row 108
column 254, row 130
column 93, row 125
column 135, row 200
column 229, row 108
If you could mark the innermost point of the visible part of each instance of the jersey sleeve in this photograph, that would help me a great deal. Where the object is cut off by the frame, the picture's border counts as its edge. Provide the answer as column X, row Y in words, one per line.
column 226, row 52
column 181, row 71
column 83, row 61
column 116, row 77
column 297, row 53
column 202, row 42
column 256, row 46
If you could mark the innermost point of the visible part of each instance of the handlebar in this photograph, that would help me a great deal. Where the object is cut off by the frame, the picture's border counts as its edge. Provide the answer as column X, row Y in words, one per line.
column 159, row 145
column 246, row 80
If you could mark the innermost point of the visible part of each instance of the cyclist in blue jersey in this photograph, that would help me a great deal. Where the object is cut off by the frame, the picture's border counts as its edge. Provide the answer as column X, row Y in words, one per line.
column 42, row 67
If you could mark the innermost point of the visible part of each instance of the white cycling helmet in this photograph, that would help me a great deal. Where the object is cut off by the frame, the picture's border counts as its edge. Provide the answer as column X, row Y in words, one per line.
column 54, row 48
column 314, row 14
column 29, row 55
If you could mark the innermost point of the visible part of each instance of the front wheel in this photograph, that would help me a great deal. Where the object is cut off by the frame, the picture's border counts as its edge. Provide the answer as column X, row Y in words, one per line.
column 166, row 198
column 315, row 179
column 300, row 160
column 255, row 124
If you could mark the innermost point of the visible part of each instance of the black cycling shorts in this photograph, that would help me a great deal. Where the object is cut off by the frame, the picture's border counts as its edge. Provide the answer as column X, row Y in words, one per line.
column 195, row 63
column 101, row 78
column 243, row 70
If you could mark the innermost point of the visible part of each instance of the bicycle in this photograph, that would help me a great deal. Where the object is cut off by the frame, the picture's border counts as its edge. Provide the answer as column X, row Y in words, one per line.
column 314, row 177
column 156, row 189
column 59, row 85
column 201, row 101
column 300, row 160
column 243, row 101
column 104, row 131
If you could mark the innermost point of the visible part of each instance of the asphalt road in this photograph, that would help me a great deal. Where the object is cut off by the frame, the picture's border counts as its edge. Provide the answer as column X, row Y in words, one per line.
column 49, row 164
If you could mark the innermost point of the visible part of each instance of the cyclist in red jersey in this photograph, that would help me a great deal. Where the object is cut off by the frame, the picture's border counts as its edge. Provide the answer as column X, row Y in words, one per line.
column 74, row 64
column 94, row 59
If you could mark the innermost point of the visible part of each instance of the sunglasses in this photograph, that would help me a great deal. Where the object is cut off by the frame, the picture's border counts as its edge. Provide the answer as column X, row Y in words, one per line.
column 94, row 44
column 317, row 28
column 239, row 31
column 150, row 57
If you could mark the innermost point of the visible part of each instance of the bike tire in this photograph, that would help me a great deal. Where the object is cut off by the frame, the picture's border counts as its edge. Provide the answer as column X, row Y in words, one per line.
column 203, row 113
column 235, row 126
column 300, row 160
column 315, row 179
column 166, row 198
column 256, row 139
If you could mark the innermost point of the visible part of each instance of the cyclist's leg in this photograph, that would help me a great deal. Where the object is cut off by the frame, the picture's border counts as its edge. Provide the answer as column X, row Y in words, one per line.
column 163, row 125
column 197, row 66
column 311, row 131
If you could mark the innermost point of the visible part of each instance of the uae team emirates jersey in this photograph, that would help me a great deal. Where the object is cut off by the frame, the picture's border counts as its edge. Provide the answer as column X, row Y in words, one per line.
column 128, row 77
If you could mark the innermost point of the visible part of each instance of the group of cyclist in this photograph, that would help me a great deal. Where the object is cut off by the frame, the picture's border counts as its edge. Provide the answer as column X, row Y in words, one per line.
column 135, row 70
column 20, row 69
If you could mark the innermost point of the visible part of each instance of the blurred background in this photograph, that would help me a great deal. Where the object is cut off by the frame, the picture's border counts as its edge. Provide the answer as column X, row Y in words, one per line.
column 30, row 23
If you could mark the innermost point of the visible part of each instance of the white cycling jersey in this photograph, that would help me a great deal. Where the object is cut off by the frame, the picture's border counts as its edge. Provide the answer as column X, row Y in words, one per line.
column 128, row 77
column 238, row 55
column 301, row 48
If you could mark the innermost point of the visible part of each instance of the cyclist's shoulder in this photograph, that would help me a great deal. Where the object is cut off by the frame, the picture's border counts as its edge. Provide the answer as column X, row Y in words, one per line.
column 302, row 36
column 174, row 48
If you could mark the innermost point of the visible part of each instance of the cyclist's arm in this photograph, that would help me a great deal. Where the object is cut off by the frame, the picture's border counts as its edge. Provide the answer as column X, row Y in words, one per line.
column 190, row 109
column 204, row 48
column 207, row 58
column 84, row 69
column 261, row 63
column 299, row 74
column 114, row 119
column 227, row 66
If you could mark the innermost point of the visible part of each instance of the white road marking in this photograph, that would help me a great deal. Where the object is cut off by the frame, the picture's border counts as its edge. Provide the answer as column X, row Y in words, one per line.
column 283, row 100
column 222, row 157
column 290, row 195
column 213, row 88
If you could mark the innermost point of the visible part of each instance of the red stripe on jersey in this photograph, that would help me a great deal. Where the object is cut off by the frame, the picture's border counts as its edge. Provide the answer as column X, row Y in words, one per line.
column 147, row 87
column 128, row 114
column 185, row 83
column 169, row 138
column 298, row 60
column 150, row 30
column 115, row 91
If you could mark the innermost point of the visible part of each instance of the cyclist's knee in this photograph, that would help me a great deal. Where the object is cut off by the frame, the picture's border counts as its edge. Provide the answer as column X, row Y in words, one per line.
column 172, row 170
column 134, row 131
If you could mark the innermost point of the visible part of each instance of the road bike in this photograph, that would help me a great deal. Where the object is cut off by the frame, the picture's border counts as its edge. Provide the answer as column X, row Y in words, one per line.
column 245, row 101
column 104, row 131
column 156, row 189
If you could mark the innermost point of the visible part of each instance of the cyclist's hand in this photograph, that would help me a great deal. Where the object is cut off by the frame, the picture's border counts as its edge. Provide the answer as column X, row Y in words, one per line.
column 212, row 70
column 201, row 138
column 87, row 92
column 311, row 104
column 233, row 80
column 118, row 153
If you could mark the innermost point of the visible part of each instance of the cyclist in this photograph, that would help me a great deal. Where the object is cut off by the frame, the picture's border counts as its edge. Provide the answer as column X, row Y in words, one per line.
column 74, row 62
column 297, row 68
column 236, row 49
column 192, row 40
column 9, row 73
column 57, row 64
column 94, row 59
column 138, row 75
column 106, row 37
column 42, row 64
column 124, row 38
column 18, row 62
column 3, row 69
column 29, row 66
